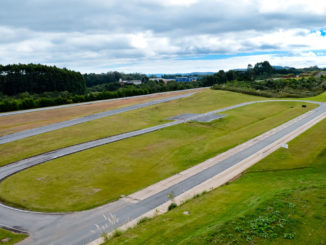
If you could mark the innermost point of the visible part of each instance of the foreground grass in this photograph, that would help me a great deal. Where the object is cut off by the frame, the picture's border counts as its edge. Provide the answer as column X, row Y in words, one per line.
column 97, row 176
column 280, row 200
column 204, row 101
column 276, row 221
column 12, row 237
column 20, row 122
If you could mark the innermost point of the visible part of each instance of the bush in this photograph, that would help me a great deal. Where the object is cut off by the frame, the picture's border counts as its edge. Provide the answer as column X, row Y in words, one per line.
column 117, row 233
column 290, row 236
column 172, row 206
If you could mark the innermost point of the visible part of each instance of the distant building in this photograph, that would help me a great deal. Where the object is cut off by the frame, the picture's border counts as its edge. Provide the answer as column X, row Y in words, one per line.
column 161, row 79
column 185, row 79
column 177, row 79
column 134, row 82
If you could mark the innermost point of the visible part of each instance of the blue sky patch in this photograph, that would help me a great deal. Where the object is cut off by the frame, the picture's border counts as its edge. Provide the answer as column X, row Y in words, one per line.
column 225, row 56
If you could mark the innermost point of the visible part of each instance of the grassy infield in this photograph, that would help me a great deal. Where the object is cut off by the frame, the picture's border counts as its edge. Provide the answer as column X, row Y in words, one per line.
column 97, row 176
column 280, row 200
column 273, row 201
column 125, row 122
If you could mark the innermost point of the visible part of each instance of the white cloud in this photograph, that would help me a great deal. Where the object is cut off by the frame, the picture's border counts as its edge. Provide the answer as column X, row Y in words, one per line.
column 177, row 2
column 96, row 35
column 290, row 6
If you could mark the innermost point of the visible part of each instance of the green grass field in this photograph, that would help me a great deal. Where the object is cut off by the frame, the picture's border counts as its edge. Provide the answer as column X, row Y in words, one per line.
column 280, row 200
column 203, row 101
column 12, row 237
column 97, row 176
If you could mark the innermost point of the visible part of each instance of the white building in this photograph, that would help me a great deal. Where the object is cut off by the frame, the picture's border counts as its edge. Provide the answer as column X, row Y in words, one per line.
column 134, row 82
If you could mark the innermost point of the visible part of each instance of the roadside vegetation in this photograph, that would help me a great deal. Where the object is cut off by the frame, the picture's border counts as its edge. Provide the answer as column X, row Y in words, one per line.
column 280, row 200
column 265, row 80
column 10, row 238
column 203, row 101
column 97, row 176
column 27, row 100
column 278, row 88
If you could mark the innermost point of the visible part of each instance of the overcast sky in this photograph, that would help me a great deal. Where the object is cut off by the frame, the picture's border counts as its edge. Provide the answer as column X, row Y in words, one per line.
column 162, row 36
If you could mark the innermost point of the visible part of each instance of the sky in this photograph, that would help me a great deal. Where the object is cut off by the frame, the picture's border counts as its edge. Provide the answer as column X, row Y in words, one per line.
column 162, row 36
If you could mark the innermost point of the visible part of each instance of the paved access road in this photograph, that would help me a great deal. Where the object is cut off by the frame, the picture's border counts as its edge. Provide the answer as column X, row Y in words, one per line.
column 35, row 131
column 83, row 227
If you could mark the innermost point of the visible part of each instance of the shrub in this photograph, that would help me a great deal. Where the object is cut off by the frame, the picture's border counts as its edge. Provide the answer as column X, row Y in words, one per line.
column 117, row 233
column 290, row 236
column 172, row 206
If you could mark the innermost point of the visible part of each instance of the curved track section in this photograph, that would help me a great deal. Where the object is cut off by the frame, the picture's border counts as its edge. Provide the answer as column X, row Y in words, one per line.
column 84, row 227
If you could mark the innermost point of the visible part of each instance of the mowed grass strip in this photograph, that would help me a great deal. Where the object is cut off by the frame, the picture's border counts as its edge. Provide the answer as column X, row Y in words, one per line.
column 280, row 200
column 204, row 101
column 15, row 123
column 99, row 175
column 10, row 238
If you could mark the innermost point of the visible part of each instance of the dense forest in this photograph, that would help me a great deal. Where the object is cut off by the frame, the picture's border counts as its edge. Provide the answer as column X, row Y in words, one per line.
column 32, row 78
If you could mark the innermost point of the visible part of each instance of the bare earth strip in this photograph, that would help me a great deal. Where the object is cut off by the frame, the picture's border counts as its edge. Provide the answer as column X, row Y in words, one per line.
column 12, row 122
column 36, row 131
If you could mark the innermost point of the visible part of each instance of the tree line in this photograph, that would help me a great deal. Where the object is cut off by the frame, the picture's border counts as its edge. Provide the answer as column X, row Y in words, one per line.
column 36, row 78
column 28, row 101
column 261, row 70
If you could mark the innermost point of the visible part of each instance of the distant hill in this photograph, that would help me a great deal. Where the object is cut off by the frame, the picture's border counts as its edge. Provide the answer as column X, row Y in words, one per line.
column 282, row 67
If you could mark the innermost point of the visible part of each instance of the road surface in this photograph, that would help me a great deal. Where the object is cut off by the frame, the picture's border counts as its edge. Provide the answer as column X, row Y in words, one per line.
column 84, row 227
